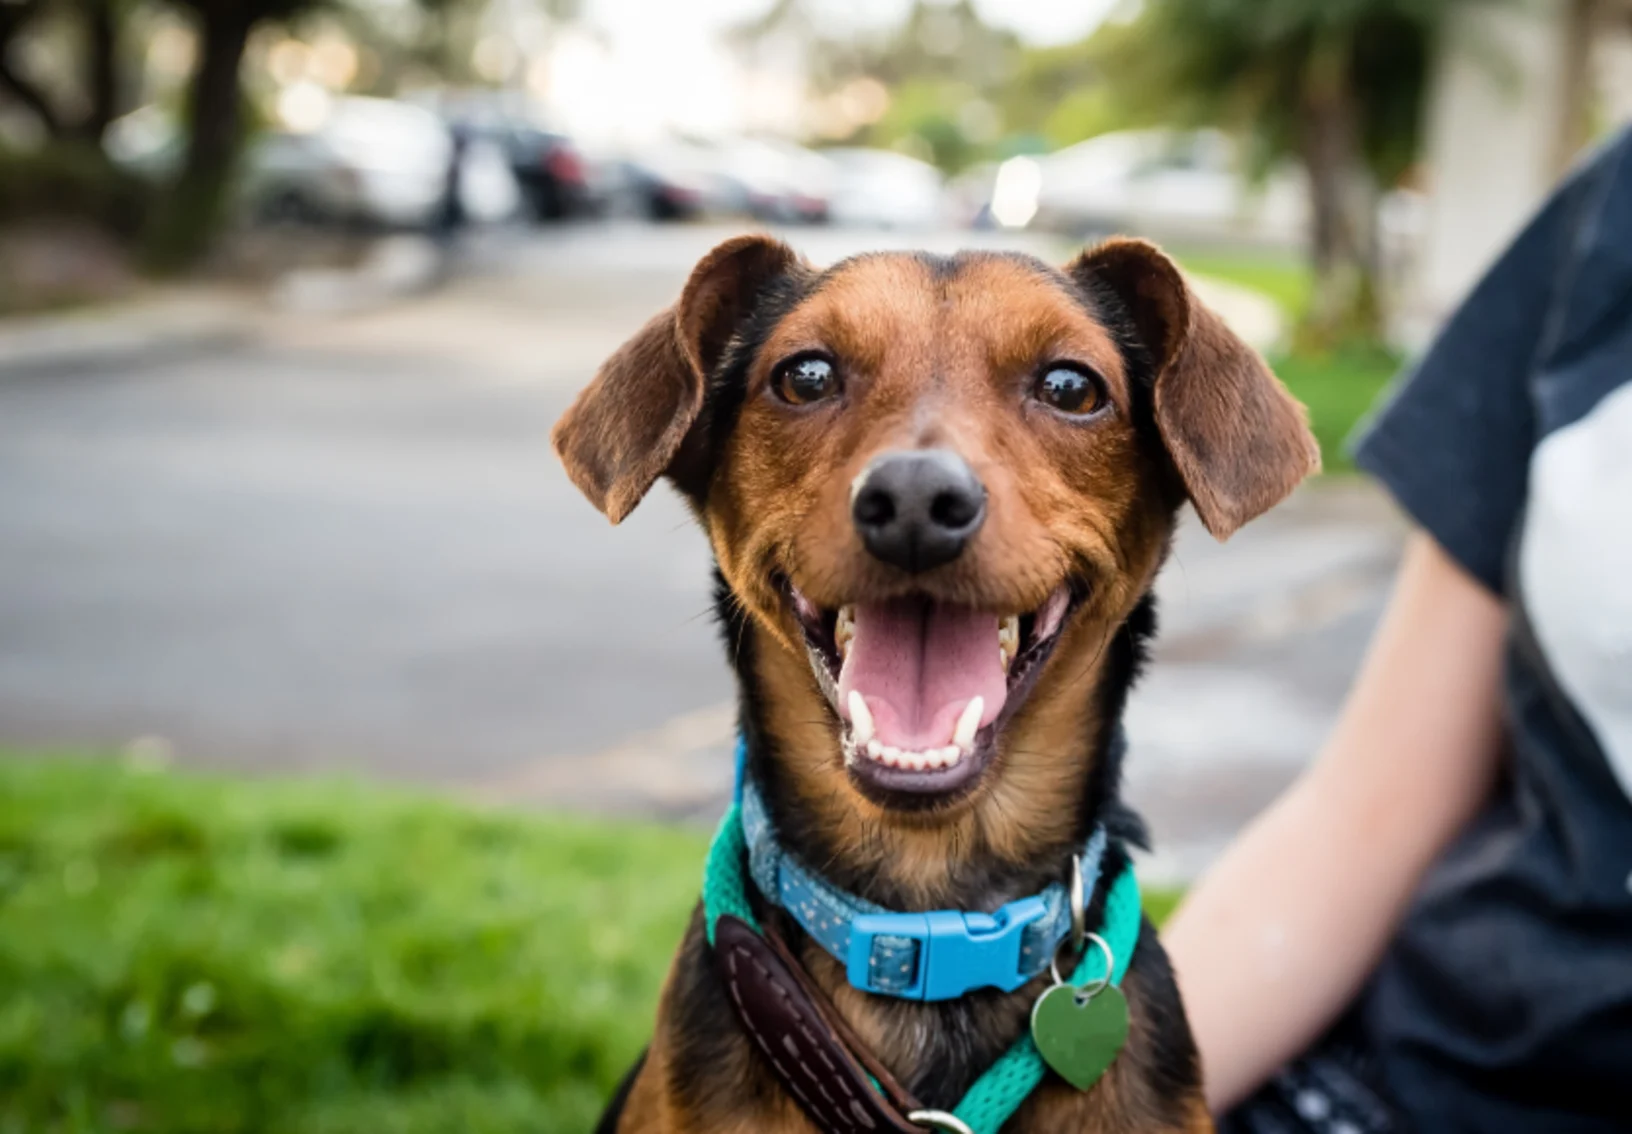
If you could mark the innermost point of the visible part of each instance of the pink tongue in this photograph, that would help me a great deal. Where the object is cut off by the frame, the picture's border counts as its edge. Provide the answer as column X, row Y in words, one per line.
column 917, row 664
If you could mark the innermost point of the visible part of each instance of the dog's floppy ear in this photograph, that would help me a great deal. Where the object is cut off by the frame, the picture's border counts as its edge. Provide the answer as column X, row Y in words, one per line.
column 625, row 429
column 1238, row 440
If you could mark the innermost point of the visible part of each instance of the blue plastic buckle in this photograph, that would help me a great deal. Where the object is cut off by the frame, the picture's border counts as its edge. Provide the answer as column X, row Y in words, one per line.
column 957, row 952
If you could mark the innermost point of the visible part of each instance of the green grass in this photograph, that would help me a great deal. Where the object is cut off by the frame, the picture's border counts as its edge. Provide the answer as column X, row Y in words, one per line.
column 185, row 954
column 1283, row 277
column 182, row 954
column 1339, row 389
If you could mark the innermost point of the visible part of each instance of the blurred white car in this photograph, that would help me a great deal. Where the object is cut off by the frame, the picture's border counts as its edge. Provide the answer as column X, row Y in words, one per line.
column 675, row 178
column 883, row 189
column 1168, row 184
column 371, row 160
column 777, row 180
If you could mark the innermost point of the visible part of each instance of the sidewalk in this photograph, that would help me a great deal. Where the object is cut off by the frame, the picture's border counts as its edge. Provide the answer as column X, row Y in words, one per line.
column 168, row 323
column 163, row 323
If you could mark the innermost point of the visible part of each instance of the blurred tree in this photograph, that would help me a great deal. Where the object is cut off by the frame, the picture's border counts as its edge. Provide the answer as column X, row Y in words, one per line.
column 81, row 105
column 191, row 212
column 1336, row 85
column 1058, row 93
column 186, row 223
column 944, row 66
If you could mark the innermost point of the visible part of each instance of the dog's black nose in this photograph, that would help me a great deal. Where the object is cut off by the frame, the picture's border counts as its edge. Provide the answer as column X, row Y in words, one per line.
column 916, row 509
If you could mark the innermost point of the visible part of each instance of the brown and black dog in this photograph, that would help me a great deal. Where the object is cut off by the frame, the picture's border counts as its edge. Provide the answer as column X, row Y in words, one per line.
column 930, row 481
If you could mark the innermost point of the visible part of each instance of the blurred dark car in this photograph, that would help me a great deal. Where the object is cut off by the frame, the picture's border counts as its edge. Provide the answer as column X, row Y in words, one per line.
column 553, row 175
column 555, row 179
column 677, row 179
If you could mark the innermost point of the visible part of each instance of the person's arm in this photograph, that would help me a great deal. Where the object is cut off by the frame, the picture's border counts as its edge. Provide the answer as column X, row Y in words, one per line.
column 1280, row 934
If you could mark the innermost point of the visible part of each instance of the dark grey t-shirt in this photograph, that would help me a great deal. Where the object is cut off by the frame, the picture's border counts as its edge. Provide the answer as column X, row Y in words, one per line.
column 1505, row 1003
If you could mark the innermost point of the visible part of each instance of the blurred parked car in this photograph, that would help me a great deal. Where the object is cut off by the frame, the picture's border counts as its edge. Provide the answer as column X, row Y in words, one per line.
column 1168, row 184
column 678, row 179
column 555, row 178
column 367, row 160
column 777, row 180
column 883, row 189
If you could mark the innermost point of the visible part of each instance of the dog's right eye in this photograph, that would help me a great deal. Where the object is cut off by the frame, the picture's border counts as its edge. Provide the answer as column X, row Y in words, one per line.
column 805, row 379
column 1070, row 391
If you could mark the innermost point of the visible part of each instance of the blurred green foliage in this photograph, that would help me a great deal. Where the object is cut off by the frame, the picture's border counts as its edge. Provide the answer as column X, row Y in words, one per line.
column 1339, row 387
column 1281, row 275
column 182, row 954
column 70, row 181
column 1272, row 69
column 1338, row 87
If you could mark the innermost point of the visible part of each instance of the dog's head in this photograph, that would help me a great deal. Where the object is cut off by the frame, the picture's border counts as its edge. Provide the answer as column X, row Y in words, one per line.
column 935, row 485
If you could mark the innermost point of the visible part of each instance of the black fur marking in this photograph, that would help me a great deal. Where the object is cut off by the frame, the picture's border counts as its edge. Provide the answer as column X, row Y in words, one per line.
column 613, row 1114
column 712, row 1068
column 1173, row 1069
column 727, row 386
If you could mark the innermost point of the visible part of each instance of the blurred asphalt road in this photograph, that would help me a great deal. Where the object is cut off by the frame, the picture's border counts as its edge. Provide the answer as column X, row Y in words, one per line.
column 344, row 543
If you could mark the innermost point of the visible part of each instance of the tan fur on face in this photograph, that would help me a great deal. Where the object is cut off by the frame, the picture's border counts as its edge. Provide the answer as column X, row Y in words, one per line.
column 944, row 361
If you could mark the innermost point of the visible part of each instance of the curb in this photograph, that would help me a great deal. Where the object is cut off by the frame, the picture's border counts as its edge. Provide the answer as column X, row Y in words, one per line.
column 128, row 335
column 200, row 319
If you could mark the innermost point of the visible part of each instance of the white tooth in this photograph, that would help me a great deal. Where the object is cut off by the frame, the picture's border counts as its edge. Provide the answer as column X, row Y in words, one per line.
column 875, row 750
column 969, row 723
column 913, row 761
column 933, row 758
column 950, row 755
column 861, row 718
column 892, row 756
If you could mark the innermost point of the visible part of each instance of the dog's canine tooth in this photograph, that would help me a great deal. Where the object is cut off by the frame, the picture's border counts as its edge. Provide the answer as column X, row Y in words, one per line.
column 844, row 629
column 963, row 736
column 1008, row 638
column 861, row 719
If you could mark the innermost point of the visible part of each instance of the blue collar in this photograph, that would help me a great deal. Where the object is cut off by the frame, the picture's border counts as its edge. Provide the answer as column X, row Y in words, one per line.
column 937, row 955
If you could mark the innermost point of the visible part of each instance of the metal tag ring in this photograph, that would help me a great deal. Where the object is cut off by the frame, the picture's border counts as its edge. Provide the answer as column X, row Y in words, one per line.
column 1095, row 988
column 939, row 1120
column 1079, row 915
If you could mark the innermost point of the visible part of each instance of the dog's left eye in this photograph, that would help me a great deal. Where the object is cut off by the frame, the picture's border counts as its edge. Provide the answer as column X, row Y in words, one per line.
column 1069, row 390
column 800, row 381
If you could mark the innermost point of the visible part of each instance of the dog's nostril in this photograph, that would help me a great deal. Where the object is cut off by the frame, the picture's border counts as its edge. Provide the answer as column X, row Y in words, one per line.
column 874, row 508
column 954, row 509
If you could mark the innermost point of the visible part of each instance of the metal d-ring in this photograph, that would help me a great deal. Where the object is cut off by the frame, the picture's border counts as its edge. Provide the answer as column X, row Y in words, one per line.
column 1086, row 991
column 939, row 1120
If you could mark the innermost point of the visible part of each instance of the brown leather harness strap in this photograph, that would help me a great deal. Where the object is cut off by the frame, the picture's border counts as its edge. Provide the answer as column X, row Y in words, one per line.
column 796, row 1033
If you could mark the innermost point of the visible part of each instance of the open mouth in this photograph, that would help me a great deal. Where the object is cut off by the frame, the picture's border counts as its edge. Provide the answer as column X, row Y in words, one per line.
column 922, row 687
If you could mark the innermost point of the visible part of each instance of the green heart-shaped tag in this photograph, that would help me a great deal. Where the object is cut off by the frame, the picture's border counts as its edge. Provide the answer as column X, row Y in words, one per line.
column 1080, row 1036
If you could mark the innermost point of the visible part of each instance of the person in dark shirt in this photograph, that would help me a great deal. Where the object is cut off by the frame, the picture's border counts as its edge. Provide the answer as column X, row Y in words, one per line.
column 1432, row 929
